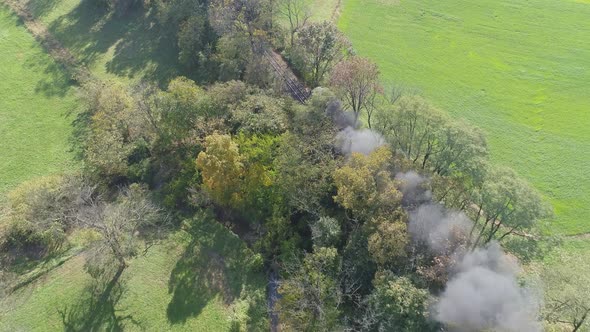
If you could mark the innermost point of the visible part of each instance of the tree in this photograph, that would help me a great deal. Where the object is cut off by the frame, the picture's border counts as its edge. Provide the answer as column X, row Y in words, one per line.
column 120, row 225
column 356, row 81
column 112, row 131
column 259, row 114
column 222, row 169
column 245, row 17
column 310, row 295
column 430, row 139
column 325, row 232
column 412, row 127
column 365, row 186
column 388, row 240
column 508, row 203
column 396, row 305
column 182, row 106
column 258, row 186
column 39, row 213
column 566, row 292
column 319, row 46
column 297, row 13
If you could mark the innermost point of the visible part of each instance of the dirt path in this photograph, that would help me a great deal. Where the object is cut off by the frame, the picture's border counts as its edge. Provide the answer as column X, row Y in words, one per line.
column 56, row 50
column 336, row 12
column 583, row 236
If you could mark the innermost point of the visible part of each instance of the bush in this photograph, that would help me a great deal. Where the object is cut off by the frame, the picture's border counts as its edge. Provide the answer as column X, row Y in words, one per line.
column 39, row 213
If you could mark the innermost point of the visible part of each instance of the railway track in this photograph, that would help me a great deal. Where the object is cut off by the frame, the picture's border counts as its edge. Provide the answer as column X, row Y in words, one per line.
column 295, row 88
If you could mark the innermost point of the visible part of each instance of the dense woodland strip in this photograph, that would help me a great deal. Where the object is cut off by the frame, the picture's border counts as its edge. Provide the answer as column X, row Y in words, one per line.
column 376, row 210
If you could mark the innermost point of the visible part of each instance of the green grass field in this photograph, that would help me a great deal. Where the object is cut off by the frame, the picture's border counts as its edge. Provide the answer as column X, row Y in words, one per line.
column 516, row 68
column 36, row 100
column 125, row 48
column 194, row 281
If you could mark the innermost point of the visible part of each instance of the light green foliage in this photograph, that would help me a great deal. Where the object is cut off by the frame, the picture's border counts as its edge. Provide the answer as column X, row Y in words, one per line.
column 238, row 173
column 35, row 104
column 259, row 192
column 510, row 67
column 113, row 129
column 430, row 139
column 181, row 109
column 319, row 46
column 35, row 216
column 388, row 239
column 397, row 305
column 310, row 294
column 260, row 114
column 508, row 201
column 325, row 232
column 365, row 185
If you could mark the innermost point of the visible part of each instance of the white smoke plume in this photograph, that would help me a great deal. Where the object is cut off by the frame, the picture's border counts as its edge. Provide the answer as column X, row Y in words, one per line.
column 431, row 224
column 363, row 141
column 484, row 295
column 350, row 139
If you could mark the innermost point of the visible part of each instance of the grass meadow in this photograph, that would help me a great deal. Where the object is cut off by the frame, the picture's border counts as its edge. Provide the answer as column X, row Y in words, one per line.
column 518, row 69
column 127, row 48
column 36, row 102
column 196, row 280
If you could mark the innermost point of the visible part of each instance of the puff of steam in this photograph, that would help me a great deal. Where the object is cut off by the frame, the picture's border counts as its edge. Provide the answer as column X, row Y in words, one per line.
column 363, row 141
column 484, row 295
column 432, row 225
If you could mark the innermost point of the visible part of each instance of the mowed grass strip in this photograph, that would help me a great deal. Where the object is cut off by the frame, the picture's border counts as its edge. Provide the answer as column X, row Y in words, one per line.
column 518, row 69
column 199, row 280
column 36, row 102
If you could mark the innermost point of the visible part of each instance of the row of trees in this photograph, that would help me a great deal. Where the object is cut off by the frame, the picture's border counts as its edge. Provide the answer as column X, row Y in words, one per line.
column 335, row 225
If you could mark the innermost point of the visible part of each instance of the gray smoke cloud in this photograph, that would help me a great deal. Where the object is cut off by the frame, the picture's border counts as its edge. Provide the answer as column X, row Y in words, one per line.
column 414, row 189
column 363, row 141
column 350, row 139
column 341, row 118
column 484, row 295
column 436, row 227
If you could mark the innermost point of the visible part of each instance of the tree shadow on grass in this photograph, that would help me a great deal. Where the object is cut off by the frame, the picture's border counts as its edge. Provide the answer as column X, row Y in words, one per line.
column 531, row 249
column 98, row 309
column 214, row 263
column 54, row 81
column 39, row 8
column 141, row 48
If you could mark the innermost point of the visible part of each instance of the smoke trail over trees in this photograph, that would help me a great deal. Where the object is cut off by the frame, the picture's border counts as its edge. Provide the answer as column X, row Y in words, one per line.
column 350, row 139
column 483, row 292
column 484, row 295
column 363, row 141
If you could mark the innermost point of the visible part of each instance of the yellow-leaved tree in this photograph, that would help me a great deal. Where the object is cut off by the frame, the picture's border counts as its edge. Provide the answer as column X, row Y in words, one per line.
column 222, row 169
column 365, row 185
